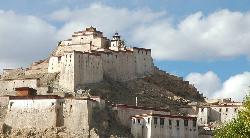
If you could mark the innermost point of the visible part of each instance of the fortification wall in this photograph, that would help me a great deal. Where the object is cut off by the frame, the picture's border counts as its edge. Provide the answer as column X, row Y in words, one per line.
column 36, row 71
column 8, row 73
column 144, row 62
column 118, row 66
column 67, row 72
column 78, row 114
column 79, row 68
column 96, row 41
column 38, row 113
column 88, row 68
column 127, row 65
column 54, row 64
column 7, row 87
column 61, row 49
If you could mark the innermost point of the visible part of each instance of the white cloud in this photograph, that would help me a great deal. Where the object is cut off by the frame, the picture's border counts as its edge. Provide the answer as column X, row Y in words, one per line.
column 236, row 87
column 206, row 83
column 210, row 85
column 220, row 35
column 24, row 39
column 105, row 18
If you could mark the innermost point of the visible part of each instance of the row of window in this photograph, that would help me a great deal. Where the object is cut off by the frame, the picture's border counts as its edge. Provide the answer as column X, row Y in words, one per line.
column 162, row 122
column 220, row 109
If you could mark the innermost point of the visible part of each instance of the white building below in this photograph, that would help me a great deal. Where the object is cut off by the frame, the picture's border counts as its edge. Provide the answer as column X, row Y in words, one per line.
column 163, row 126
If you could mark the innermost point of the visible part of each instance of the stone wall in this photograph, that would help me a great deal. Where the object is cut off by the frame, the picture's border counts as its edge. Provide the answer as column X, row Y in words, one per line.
column 78, row 114
column 7, row 87
column 79, row 68
column 47, row 111
column 88, row 68
column 4, row 100
column 39, row 113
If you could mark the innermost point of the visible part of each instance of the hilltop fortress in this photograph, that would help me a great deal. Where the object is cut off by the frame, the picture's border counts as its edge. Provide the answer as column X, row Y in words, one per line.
column 87, row 57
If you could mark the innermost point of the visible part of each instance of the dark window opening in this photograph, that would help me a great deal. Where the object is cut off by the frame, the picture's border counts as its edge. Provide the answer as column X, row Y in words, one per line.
column 161, row 121
column 185, row 122
column 177, row 123
column 155, row 120
column 139, row 121
column 194, row 123
column 170, row 122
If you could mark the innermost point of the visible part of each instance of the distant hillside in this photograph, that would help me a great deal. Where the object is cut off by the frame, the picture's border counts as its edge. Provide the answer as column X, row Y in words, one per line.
column 158, row 90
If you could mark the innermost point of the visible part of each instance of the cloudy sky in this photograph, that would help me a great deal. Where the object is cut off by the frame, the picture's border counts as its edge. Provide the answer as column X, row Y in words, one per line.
column 207, row 42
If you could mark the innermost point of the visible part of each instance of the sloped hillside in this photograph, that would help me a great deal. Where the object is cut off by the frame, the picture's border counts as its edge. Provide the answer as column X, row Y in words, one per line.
column 158, row 90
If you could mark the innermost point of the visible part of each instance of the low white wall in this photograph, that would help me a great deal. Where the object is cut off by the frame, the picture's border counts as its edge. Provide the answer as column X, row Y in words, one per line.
column 38, row 113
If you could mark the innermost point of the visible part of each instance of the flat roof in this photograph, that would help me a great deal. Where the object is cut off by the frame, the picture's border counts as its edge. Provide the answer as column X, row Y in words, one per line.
column 35, row 97
column 162, row 116
column 140, row 107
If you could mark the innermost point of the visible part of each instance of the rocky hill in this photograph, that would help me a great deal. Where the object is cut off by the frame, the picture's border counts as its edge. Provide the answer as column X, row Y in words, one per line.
column 158, row 90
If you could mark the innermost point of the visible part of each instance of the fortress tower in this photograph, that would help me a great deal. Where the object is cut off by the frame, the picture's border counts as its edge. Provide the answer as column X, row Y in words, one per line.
column 116, row 43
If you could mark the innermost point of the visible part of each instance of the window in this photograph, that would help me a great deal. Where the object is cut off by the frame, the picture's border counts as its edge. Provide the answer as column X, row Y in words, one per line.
column 194, row 123
column 177, row 123
column 226, row 109
column 185, row 122
column 155, row 120
column 133, row 121
column 202, row 109
column 161, row 121
column 220, row 110
column 138, row 121
column 170, row 122
column 148, row 120
column 70, row 109
column 235, row 109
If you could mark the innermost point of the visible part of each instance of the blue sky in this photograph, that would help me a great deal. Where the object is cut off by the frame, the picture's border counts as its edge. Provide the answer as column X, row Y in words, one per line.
column 203, row 41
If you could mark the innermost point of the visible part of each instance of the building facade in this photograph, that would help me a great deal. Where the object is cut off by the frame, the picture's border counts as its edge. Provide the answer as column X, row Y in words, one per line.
column 163, row 126
column 89, row 57
column 124, row 112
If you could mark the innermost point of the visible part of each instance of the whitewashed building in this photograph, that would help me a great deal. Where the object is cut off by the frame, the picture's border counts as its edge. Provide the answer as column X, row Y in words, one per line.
column 29, row 112
column 46, row 111
column 163, row 126
column 124, row 112
column 219, row 113
column 88, row 57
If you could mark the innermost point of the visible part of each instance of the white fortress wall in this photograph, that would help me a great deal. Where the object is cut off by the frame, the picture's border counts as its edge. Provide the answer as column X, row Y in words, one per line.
column 78, row 114
column 29, row 113
column 118, row 66
column 144, row 61
column 88, row 68
column 84, row 47
column 7, row 87
column 54, row 64
column 66, row 80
